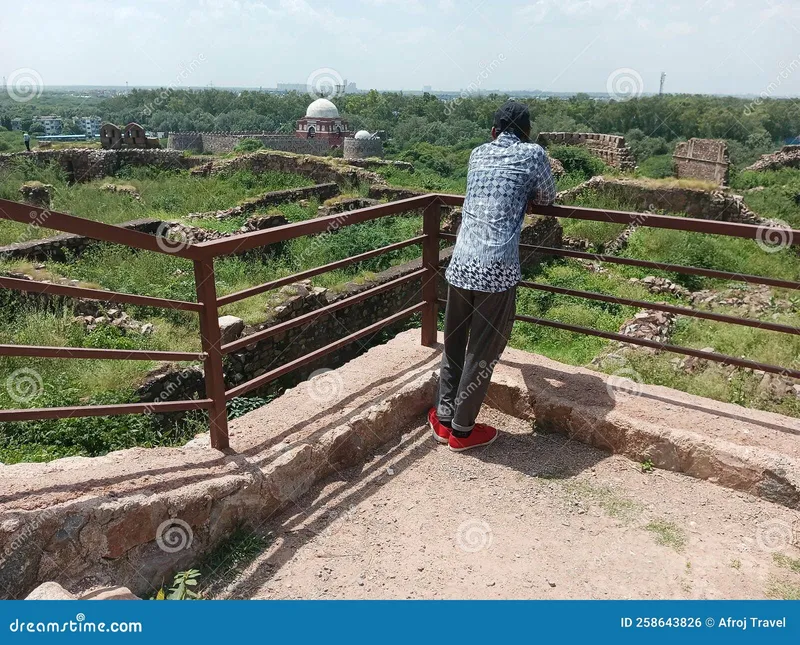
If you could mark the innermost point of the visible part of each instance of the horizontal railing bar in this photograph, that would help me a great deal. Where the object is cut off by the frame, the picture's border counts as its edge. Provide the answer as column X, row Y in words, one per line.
column 681, row 311
column 34, row 286
column 653, row 220
column 262, row 380
column 450, row 200
column 676, row 268
column 269, row 286
column 322, row 311
column 88, row 352
column 711, row 356
column 163, row 407
column 247, row 241
column 42, row 218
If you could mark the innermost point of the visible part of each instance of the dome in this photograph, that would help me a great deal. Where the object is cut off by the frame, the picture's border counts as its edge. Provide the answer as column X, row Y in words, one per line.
column 322, row 109
column 363, row 134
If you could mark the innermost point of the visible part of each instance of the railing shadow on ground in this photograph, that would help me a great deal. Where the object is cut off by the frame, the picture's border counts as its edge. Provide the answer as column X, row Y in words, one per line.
column 208, row 302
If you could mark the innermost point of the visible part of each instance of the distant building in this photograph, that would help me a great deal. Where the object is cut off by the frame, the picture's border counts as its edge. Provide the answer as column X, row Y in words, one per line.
column 322, row 121
column 51, row 124
column 90, row 125
column 16, row 124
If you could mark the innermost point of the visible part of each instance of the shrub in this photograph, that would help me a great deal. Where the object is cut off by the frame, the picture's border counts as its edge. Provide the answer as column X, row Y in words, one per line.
column 578, row 160
column 248, row 145
column 658, row 167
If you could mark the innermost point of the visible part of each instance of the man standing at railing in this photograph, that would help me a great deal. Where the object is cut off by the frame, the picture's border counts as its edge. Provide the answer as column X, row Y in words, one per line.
column 504, row 177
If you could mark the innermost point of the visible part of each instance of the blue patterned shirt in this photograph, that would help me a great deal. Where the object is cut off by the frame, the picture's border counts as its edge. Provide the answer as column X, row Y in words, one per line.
column 503, row 177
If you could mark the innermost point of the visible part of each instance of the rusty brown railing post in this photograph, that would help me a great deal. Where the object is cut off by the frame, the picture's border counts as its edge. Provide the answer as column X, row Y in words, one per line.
column 211, row 340
column 430, row 281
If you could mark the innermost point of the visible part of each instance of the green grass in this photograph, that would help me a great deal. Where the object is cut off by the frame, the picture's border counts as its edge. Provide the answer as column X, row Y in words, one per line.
column 668, row 534
column 39, row 382
column 164, row 195
column 777, row 199
column 711, row 252
column 564, row 346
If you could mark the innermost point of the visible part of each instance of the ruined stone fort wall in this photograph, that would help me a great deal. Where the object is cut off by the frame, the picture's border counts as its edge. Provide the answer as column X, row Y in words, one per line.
column 224, row 142
column 85, row 164
column 610, row 148
column 705, row 159
column 362, row 148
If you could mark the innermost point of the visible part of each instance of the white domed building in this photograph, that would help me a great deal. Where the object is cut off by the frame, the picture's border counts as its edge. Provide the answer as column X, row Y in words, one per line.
column 322, row 121
column 363, row 146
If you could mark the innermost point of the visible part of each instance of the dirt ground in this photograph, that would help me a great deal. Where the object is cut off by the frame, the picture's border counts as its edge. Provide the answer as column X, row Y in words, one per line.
column 531, row 516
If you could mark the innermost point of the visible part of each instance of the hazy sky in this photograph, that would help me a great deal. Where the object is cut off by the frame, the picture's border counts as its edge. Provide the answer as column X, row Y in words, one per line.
column 713, row 46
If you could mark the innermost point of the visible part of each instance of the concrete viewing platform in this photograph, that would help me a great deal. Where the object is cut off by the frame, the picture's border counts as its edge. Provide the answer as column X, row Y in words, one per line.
column 356, row 499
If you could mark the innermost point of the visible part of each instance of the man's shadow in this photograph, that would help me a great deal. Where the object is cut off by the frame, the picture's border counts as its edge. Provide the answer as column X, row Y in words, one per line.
column 563, row 440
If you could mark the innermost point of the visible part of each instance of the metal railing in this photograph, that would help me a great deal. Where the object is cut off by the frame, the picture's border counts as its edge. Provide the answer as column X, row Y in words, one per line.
column 208, row 302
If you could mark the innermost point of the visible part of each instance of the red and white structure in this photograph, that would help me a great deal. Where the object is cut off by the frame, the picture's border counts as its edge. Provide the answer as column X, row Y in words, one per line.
column 322, row 121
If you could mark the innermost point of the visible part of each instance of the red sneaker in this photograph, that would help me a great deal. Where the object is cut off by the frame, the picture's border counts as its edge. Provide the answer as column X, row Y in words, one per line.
column 481, row 435
column 440, row 432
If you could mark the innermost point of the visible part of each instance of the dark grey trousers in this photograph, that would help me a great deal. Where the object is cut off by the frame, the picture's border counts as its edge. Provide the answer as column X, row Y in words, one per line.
column 477, row 327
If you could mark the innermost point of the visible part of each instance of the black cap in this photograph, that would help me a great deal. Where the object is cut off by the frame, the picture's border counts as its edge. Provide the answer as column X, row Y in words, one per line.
column 513, row 117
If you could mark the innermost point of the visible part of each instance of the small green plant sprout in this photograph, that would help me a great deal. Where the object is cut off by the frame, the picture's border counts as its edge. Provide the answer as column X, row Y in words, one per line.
column 181, row 587
column 647, row 466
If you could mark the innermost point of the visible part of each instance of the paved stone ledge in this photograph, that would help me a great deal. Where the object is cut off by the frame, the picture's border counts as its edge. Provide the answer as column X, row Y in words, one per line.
column 93, row 522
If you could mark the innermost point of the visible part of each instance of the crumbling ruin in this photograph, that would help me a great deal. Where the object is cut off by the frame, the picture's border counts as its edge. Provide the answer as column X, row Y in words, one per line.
column 705, row 159
column 610, row 148
column 132, row 136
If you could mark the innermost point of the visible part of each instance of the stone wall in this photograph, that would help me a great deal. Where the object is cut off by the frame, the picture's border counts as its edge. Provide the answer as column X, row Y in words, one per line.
column 362, row 148
column 610, row 148
column 86, row 164
column 320, row 192
column 705, row 159
column 319, row 169
column 60, row 247
column 224, row 142
column 788, row 157
column 642, row 196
